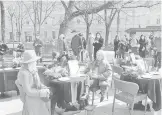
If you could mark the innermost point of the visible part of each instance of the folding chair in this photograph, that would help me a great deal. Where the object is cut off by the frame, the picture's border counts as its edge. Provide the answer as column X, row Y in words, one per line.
column 128, row 94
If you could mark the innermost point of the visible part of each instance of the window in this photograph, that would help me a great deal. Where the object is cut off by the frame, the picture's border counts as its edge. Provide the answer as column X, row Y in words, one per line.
column 28, row 36
column 53, row 34
column 27, row 22
column 17, row 36
column 11, row 36
column 158, row 21
column 45, row 34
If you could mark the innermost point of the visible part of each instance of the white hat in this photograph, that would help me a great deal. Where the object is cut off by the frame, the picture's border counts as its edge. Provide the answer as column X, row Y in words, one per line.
column 61, row 36
column 29, row 56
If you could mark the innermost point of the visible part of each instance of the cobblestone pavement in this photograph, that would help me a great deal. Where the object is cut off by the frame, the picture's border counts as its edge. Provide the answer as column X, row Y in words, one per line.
column 11, row 105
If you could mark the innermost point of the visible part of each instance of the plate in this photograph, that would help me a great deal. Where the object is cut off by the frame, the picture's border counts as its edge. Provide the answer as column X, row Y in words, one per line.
column 146, row 76
column 64, row 79
column 155, row 73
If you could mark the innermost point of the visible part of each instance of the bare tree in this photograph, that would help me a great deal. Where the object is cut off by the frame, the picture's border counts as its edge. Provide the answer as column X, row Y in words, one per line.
column 88, row 18
column 116, row 9
column 70, row 14
column 2, row 20
column 20, row 16
column 38, row 12
column 11, row 11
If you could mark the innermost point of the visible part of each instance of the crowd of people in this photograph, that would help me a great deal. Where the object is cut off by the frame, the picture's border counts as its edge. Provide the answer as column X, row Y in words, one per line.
column 35, row 95
column 148, row 47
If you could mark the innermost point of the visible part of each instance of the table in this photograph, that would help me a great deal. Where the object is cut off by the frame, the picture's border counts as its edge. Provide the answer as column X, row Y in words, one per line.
column 151, row 86
column 8, row 77
column 70, row 88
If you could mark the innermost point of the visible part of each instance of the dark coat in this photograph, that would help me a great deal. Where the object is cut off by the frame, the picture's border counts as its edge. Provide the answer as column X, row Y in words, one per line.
column 76, row 44
column 37, row 45
column 116, row 44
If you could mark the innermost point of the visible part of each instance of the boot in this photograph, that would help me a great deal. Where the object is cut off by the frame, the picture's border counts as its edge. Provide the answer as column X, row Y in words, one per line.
column 102, row 98
column 103, row 90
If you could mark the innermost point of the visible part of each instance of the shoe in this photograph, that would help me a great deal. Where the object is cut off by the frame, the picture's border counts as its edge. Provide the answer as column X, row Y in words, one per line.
column 84, row 96
column 101, row 99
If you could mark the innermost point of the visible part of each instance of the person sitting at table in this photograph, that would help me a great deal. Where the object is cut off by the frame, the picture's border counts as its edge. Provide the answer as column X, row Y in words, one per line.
column 33, row 93
column 101, row 74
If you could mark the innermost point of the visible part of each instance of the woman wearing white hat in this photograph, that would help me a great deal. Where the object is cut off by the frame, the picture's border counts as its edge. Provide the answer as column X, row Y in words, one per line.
column 33, row 93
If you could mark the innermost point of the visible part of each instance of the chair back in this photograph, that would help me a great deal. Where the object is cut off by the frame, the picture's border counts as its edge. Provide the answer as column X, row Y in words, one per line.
column 73, row 67
column 149, row 62
column 127, row 87
column 117, row 69
column 117, row 61
column 109, row 55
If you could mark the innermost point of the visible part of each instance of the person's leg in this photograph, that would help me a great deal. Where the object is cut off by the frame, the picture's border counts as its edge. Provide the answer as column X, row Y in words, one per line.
column 40, row 54
column 115, row 54
column 155, row 59
column 103, row 90
column 159, row 59
column 90, row 55
column 95, row 54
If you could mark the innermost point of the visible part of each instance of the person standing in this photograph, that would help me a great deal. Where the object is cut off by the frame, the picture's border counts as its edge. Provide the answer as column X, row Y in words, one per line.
column 38, row 44
column 76, row 44
column 158, row 52
column 61, row 44
column 142, row 48
column 90, row 45
column 98, row 43
column 116, row 45
column 33, row 94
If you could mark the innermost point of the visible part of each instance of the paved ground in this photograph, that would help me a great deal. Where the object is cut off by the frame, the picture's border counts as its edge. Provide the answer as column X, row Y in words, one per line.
column 12, row 105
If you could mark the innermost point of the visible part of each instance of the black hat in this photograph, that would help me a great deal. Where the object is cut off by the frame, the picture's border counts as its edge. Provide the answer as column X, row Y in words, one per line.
column 73, row 31
column 80, row 34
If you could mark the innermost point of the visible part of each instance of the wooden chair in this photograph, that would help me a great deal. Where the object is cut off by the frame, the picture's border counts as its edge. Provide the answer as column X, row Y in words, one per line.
column 116, row 72
column 128, row 94
column 116, row 69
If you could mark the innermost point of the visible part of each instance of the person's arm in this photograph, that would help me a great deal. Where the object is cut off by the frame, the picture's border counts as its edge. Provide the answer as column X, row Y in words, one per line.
column 88, row 68
column 28, row 88
column 107, row 73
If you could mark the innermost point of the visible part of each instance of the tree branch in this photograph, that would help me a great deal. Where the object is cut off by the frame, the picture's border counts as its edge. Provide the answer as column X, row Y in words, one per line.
column 48, row 14
column 93, row 10
column 63, row 3
column 142, row 6
column 28, row 13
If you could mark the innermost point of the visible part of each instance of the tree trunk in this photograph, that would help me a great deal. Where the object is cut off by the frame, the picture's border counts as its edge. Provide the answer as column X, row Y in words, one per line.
column 64, row 27
column 35, row 21
column 2, row 21
column 107, row 34
column 118, row 22
column 87, row 30
column 13, row 40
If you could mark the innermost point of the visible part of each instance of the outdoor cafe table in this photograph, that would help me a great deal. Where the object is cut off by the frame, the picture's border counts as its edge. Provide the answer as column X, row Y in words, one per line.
column 8, row 77
column 151, row 86
column 70, row 87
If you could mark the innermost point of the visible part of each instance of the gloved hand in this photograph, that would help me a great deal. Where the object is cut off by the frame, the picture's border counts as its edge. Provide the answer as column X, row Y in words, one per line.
column 44, row 93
